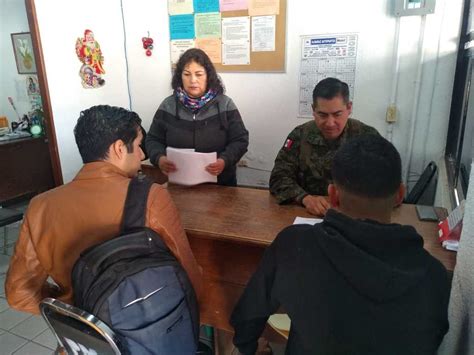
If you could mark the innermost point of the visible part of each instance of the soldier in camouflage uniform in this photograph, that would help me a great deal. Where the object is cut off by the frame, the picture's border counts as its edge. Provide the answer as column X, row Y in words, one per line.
column 302, row 170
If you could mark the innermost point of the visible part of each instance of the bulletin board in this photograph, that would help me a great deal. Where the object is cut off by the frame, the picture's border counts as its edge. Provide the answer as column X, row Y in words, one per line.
column 261, row 61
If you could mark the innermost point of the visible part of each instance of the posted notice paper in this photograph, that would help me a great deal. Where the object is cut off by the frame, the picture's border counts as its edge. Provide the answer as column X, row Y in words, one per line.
column 180, row 7
column 212, row 47
column 182, row 27
column 236, row 54
column 236, row 40
column 206, row 6
column 236, row 29
column 178, row 47
column 208, row 25
column 233, row 5
column 263, row 33
column 264, row 7
column 190, row 166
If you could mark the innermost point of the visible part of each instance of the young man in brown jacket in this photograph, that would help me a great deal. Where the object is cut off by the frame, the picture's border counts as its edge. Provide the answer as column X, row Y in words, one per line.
column 61, row 223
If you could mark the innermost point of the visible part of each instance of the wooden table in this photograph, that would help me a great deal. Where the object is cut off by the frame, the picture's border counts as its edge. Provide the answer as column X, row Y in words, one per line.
column 229, row 228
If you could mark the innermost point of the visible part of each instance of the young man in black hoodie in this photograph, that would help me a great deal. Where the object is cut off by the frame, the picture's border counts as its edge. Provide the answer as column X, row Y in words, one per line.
column 355, row 283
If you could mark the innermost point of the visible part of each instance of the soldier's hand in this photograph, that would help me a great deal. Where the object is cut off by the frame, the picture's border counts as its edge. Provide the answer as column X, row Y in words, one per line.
column 317, row 205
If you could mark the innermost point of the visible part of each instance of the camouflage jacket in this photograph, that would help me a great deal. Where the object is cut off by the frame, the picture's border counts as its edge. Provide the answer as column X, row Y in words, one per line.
column 303, row 164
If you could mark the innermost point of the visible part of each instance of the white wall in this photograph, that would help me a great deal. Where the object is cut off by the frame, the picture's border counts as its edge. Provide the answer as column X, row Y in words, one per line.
column 12, row 20
column 265, row 100
column 58, row 34
column 104, row 18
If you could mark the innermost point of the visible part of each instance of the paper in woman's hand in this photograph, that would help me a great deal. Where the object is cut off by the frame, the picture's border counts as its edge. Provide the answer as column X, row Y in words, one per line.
column 190, row 166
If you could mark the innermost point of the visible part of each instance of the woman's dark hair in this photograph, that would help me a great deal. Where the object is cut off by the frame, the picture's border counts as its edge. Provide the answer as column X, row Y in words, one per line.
column 100, row 126
column 200, row 57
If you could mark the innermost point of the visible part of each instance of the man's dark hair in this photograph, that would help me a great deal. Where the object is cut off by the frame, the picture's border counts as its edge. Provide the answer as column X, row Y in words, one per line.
column 329, row 88
column 100, row 126
column 368, row 166
column 200, row 57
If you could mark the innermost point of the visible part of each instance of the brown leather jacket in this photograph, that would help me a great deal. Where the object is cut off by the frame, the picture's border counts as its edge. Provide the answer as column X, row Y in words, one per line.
column 59, row 224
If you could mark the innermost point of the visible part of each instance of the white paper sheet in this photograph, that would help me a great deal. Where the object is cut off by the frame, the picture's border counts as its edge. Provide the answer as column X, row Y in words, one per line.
column 236, row 53
column 236, row 29
column 236, row 40
column 263, row 34
column 190, row 166
column 180, row 7
column 304, row 220
column 178, row 47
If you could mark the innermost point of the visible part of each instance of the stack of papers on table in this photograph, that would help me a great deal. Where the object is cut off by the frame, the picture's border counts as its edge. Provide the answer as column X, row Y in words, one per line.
column 190, row 166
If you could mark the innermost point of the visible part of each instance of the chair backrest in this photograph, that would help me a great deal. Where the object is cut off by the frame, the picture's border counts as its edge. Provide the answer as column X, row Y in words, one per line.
column 425, row 188
column 78, row 331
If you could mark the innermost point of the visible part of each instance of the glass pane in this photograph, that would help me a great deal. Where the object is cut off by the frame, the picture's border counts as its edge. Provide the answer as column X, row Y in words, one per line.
column 468, row 142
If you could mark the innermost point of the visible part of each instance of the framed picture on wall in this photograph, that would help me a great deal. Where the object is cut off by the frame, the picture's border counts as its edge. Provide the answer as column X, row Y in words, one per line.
column 23, row 50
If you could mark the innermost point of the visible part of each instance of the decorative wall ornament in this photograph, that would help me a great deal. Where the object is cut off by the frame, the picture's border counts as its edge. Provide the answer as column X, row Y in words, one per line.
column 89, row 53
column 148, row 45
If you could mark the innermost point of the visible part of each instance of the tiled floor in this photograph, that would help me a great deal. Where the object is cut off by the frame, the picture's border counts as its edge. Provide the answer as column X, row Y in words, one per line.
column 20, row 333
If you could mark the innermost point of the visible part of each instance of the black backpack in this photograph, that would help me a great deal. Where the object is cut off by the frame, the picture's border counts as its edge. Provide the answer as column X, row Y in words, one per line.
column 137, row 286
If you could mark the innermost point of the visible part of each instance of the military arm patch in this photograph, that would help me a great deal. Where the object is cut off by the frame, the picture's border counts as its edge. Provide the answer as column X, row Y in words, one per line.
column 288, row 144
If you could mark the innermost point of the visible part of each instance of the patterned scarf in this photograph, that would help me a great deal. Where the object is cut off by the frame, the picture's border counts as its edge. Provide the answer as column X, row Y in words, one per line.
column 193, row 103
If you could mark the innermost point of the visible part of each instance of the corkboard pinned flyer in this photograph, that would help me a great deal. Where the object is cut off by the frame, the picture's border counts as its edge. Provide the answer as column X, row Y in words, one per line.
column 238, row 35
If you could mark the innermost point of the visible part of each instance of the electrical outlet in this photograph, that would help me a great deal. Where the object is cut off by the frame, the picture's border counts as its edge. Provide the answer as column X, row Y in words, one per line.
column 391, row 115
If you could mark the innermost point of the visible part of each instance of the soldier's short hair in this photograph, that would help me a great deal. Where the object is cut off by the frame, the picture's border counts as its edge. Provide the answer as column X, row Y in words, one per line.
column 368, row 166
column 329, row 88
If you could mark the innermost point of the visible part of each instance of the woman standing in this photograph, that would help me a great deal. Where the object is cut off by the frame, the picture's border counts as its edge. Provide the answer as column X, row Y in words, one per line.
column 198, row 115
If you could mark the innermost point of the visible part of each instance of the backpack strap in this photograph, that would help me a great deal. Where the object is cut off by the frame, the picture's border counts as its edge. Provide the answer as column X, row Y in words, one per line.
column 134, row 212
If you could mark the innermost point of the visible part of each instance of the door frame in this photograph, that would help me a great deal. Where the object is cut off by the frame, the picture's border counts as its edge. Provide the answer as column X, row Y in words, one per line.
column 44, row 90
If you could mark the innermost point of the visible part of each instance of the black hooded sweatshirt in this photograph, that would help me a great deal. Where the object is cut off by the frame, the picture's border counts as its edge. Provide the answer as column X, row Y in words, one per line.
column 349, row 287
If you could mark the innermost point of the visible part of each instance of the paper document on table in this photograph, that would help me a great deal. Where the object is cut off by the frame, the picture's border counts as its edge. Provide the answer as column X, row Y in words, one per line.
column 304, row 220
column 190, row 166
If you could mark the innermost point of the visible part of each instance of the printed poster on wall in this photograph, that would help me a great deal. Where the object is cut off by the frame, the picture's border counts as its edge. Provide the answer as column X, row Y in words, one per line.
column 182, row 27
column 208, row 25
column 233, row 5
column 180, row 7
column 324, row 56
column 263, row 33
column 264, row 7
column 236, row 40
column 201, row 6
column 178, row 47
column 212, row 47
